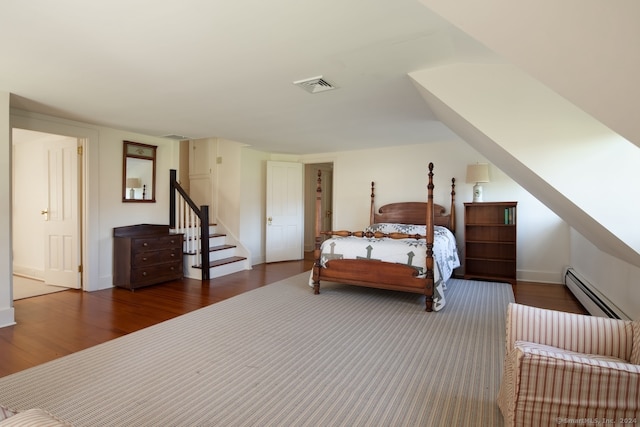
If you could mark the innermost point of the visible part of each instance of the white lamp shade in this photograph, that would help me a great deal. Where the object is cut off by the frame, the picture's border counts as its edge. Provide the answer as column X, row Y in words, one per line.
column 134, row 183
column 477, row 173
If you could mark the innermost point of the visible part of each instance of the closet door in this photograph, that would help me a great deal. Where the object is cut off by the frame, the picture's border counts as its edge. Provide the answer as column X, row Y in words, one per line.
column 285, row 201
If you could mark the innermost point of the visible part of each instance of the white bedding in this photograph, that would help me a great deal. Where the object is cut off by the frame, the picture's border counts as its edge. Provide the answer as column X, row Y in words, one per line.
column 410, row 252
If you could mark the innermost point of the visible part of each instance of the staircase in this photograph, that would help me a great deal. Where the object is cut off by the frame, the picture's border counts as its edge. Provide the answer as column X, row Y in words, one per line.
column 210, row 251
column 225, row 257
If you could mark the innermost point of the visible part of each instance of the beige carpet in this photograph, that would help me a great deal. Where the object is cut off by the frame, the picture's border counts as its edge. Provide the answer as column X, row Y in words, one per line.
column 24, row 287
column 281, row 356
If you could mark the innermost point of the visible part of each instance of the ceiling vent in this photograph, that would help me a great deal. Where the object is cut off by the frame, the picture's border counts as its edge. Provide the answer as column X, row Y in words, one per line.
column 315, row 85
column 176, row 137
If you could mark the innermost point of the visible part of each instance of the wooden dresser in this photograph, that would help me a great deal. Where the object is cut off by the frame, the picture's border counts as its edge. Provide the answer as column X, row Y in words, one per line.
column 146, row 254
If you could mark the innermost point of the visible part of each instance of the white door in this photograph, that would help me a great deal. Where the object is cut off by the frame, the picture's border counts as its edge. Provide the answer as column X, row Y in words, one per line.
column 285, row 200
column 61, row 258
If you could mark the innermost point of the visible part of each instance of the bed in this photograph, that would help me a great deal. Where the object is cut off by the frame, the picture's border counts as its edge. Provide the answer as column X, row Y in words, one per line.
column 408, row 246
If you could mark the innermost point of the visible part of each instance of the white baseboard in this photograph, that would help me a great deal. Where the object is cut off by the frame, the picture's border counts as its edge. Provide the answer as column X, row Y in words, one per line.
column 539, row 276
column 7, row 317
column 105, row 282
column 31, row 273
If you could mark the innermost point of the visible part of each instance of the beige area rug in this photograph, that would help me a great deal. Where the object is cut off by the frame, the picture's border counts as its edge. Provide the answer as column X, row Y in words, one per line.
column 281, row 356
column 24, row 287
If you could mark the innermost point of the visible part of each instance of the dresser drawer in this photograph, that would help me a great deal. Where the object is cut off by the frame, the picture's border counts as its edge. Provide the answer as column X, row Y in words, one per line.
column 156, row 273
column 146, row 254
column 146, row 258
column 140, row 244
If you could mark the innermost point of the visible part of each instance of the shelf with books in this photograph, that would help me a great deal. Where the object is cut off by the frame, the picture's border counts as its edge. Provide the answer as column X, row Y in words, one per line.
column 490, row 241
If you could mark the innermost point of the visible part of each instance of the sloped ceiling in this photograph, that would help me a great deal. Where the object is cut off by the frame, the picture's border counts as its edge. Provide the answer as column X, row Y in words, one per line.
column 569, row 141
column 585, row 50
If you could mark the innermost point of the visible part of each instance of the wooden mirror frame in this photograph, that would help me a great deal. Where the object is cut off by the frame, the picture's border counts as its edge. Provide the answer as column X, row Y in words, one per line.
column 134, row 157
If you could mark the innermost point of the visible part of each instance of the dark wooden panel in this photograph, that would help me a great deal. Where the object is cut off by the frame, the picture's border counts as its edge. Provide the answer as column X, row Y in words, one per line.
column 146, row 255
column 407, row 213
column 375, row 274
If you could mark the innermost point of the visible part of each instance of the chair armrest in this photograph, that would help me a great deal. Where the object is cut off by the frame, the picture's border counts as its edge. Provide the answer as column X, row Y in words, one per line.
column 569, row 331
column 553, row 385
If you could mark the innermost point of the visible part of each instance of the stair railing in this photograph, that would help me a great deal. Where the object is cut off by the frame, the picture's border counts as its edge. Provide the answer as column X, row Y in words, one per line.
column 187, row 218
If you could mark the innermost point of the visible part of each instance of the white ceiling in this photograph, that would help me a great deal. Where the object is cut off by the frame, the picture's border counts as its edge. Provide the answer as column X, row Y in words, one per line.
column 214, row 68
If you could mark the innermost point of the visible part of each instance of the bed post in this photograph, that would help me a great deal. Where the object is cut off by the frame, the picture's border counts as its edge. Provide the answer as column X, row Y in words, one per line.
column 430, row 236
column 452, row 210
column 318, row 229
column 372, row 210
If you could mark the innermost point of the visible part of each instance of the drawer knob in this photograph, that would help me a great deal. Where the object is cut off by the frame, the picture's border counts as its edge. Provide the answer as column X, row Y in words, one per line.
column 144, row 259
column 172, row 255
column 144, row 273
column 145, row 244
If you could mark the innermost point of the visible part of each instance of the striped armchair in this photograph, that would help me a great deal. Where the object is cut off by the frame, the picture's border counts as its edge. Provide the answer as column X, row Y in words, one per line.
column 565, row 368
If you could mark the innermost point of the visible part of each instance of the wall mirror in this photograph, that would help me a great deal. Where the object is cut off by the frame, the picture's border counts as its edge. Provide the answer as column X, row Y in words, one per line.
column 139, row 173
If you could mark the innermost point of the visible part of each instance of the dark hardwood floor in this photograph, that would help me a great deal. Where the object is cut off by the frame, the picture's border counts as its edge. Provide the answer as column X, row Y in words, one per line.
column 54, row 325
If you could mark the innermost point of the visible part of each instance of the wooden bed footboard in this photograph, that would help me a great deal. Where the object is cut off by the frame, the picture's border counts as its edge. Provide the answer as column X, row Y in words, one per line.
column 380, row 274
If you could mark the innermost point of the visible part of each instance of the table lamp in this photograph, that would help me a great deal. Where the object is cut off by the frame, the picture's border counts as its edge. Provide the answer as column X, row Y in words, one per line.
column 475, row 175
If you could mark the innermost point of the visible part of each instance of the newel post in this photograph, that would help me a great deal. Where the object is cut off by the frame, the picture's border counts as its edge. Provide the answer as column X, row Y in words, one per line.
column 204, row 241
column 172, row 198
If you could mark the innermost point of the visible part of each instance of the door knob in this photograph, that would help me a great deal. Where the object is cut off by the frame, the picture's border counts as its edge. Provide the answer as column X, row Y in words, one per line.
column 269, row 220
column 45, row 212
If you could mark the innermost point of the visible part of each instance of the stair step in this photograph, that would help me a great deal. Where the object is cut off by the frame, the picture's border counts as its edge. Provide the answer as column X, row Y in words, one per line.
column 223, row 261
column 221, row 248
column 215, row 249
column 211, row 236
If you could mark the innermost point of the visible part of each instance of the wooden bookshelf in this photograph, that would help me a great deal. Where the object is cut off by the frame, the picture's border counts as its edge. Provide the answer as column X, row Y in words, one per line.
column 490, row 241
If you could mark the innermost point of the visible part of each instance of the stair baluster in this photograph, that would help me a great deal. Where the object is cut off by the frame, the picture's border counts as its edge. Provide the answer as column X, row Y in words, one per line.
column 192, row 220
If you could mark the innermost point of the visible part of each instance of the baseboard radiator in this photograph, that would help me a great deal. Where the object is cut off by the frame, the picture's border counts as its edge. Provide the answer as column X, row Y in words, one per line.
column 591, row 299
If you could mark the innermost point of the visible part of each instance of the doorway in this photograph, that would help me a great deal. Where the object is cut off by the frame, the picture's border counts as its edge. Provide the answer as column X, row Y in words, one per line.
column 311, row 177
column 46, row 208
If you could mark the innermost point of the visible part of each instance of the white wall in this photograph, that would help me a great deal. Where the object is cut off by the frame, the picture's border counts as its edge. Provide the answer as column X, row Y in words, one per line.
column 103, row 207
column 400, row 174
column 229, row 180
column 113, row 212
column 6, row 294
column 614, row 278
column 253, row 203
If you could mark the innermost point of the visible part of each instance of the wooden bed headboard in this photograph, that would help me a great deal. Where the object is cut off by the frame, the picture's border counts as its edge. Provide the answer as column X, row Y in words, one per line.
column 414, row 212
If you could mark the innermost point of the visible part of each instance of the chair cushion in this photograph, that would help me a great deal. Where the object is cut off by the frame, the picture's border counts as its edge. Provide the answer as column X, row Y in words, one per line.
column 550, row 384
column 635, row 349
